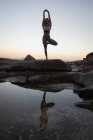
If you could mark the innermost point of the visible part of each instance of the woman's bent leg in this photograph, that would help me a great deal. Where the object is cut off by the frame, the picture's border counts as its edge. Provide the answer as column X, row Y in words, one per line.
column 52, row 42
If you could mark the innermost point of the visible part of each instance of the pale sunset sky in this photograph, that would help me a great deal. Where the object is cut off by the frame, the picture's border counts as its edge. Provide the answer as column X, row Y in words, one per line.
column 21, row 28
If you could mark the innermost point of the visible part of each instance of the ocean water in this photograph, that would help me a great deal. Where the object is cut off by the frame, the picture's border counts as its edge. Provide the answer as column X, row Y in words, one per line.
column 29, row 114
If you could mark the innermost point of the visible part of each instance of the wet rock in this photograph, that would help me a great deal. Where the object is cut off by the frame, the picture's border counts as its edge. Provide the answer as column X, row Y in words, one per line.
column 39, row 78
column 42, row 65
column 85, row 79
column 86, row 68
column 36, row 71
column 86, row 93
column 78, row 62
column 3, row 74
column 15, row 79
column 29, row 58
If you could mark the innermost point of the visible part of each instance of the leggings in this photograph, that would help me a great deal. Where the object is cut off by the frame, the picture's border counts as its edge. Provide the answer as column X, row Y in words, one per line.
column 47, row 40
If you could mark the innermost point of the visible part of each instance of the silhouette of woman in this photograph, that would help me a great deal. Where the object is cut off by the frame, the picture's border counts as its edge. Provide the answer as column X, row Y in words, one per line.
column 44, row 117
column 46, row 24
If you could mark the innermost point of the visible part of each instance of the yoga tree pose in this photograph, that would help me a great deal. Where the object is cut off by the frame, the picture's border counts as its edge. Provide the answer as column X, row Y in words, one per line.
column 44, row 116
column 46, row 24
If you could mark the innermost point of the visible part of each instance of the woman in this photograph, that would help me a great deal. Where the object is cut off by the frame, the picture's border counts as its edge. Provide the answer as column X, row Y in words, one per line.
column 46, row 24
column 44, row 116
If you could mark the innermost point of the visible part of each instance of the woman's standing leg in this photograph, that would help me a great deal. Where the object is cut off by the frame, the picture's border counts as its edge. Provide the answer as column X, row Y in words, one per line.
column 45, row 46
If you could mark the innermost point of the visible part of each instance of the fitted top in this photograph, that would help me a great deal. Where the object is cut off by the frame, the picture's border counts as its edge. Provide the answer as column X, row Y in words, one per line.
column 46, row 28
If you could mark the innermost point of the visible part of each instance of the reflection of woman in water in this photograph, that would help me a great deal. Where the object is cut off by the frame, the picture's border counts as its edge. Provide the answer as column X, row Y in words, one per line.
column 46, row 24
column 44, row 117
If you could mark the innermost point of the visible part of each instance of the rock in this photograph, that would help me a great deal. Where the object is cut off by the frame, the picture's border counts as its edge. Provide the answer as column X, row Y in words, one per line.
column 29, row 58
column 5, row 64
column 78, row 62
column 3, row 74
column 89, row 57
column 85, row 104
column 42, row 65
column 85, row 68
column 85, row 79
column 39, row 78
column 56, row 87
column 5, row 68
column 86, row 93
column 15, row 79
column 36, row 71
column 74, row 68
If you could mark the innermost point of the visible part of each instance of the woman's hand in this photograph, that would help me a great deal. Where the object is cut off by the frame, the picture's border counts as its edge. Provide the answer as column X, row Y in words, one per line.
column 46, row 10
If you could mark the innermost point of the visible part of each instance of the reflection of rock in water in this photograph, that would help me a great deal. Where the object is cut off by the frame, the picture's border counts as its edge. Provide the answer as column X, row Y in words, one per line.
column 42, row 87
column 44, row 116
column 85, row 104
column 87, row 97
column 51, row 87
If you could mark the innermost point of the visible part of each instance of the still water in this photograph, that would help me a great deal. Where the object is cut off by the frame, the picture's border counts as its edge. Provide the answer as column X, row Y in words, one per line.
column 27, row 114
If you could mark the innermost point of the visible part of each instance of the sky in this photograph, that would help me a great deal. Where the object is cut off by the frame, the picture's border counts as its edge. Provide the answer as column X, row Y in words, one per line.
column 21, row 28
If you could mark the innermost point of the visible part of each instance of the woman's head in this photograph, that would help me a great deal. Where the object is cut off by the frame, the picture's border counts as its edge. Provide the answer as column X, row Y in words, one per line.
column 46, row 21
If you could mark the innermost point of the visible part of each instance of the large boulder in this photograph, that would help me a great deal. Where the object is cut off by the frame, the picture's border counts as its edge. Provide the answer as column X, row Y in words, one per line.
column 42, row 65
column 29, row 58
column 5, row 64
column 86, row 93
column 37, row 77
column 85, row 79
column 89, row 57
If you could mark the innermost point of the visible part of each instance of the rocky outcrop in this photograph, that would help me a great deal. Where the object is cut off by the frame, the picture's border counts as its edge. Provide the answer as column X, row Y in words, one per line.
column 29, row 58
column 42, row 65
column 86, row 64
column 35, row 71
column 86, row 92
column 89, row 57
column 37, row 65
column 85, row 79
column 37, row 77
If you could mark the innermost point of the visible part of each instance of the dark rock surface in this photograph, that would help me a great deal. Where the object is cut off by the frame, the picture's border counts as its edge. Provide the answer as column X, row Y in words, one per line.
column 85, row 92
column 89, row 57
column 35, row 71
column 42, row 65
column 85, row 79
column 36, row 65
column 38, row 77
column 29, row 58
